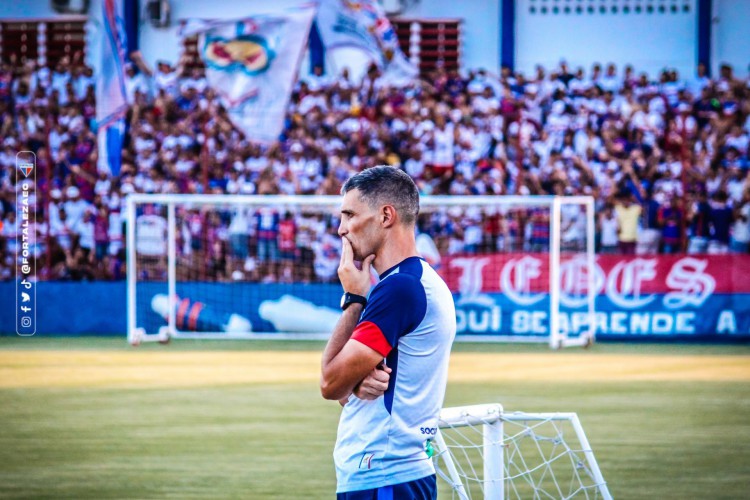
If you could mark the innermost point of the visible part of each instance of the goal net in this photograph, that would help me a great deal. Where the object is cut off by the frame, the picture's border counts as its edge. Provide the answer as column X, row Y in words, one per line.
column 221, row 266
column 480, row 452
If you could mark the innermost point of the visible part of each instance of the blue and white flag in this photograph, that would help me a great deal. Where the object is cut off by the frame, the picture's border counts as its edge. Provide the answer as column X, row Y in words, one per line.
column 111, row 102
column 362, row 24
column 252, row 64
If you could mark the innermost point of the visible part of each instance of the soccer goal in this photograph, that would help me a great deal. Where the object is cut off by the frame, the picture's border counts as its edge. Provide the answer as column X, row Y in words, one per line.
column 480, row 452
column 521, row 269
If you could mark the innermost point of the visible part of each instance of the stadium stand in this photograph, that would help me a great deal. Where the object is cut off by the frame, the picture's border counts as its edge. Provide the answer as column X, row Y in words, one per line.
column 666, row 159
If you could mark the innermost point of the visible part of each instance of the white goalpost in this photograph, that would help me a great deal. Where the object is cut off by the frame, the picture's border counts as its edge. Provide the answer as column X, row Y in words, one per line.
column 483, row 453
column 521, row 268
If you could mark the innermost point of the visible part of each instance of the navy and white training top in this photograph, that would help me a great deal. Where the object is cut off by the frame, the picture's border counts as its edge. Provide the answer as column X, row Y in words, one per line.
column 410, row 319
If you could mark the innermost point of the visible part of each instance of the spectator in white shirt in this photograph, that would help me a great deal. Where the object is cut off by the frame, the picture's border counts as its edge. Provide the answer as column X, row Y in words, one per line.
column 165, row 78
column 61, row 76
column 75, row 207
column 610, row 82
column 196, row 80
column 134, row 82
column 699, row 82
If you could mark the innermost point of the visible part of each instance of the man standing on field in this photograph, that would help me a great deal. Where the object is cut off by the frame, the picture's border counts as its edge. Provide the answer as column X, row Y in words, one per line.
column 391, row 405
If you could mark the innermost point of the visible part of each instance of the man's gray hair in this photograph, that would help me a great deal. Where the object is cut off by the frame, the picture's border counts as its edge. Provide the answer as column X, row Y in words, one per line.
column 384, row 185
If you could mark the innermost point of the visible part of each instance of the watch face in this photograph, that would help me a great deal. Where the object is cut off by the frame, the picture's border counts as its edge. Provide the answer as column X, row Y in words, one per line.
column 343, row 301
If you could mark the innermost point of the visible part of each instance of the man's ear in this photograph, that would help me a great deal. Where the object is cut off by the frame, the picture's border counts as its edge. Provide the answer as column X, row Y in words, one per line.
column 388, row 215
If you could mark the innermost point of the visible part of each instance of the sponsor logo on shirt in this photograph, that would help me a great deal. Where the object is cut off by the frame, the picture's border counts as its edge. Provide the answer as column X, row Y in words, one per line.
column 366, row 461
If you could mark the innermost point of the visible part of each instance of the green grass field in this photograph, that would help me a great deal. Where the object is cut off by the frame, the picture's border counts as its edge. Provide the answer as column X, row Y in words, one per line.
column 95, row 418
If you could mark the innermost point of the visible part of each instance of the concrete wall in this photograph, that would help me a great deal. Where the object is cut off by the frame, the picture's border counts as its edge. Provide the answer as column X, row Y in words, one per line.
column 730, row 40
column 650, row 42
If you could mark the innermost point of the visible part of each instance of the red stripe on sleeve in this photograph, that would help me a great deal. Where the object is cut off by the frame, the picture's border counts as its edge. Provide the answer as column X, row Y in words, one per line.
column 370, row 335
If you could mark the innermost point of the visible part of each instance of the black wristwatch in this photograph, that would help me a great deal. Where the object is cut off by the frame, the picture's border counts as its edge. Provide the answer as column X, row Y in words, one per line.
column 350, row 298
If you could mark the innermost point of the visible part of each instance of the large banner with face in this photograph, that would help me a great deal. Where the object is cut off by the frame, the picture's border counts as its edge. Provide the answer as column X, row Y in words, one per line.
column 637, row 297
column 252, row 64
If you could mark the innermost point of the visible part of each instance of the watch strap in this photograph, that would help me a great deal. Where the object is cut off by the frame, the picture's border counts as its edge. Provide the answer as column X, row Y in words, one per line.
column 352, row 298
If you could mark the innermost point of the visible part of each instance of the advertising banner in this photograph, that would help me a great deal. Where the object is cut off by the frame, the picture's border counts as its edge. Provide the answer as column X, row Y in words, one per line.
column 643, row 298
column 685, row 296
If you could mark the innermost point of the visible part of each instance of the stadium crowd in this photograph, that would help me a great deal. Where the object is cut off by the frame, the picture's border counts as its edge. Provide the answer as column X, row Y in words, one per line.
column 666, row 159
